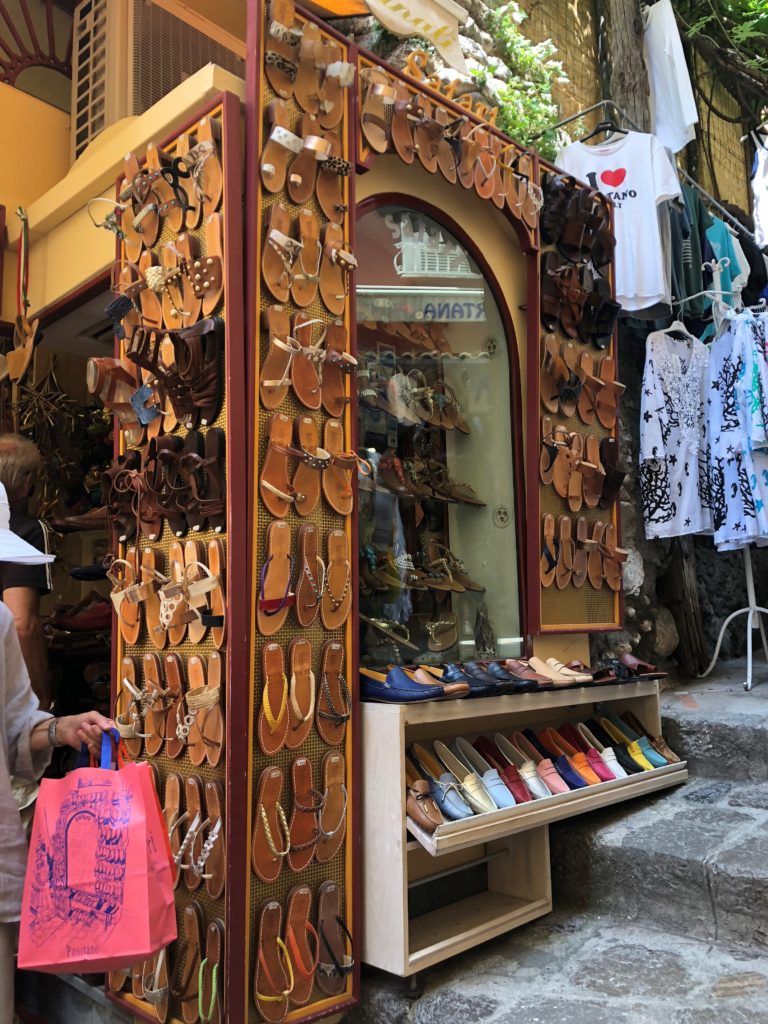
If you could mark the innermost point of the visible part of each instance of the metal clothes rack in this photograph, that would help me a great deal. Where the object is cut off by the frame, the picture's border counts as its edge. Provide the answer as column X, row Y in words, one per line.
column 708, row 199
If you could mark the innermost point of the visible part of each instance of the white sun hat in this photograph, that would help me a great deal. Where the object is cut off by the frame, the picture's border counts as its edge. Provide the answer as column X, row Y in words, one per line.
column 13, row 548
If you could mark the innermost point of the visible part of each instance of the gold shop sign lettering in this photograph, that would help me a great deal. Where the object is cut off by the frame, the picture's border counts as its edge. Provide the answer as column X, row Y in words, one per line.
column 416, row 68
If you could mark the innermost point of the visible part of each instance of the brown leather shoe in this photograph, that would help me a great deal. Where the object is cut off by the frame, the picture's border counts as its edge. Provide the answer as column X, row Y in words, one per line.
column 419, row 805
column 523, row 670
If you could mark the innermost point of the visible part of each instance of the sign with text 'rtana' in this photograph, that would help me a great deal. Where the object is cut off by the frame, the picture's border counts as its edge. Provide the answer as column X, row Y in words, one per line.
column 437, row 21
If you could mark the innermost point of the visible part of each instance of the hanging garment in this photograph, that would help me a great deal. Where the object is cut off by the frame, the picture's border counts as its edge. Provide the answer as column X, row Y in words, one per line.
column 674, row 457
column 692, row 257
column 673, row 107
column 637, row 174
column 737, row 378
column 760, row 195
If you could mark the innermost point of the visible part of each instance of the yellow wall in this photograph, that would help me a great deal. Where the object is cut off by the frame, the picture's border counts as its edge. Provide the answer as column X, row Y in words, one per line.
column 37, row 153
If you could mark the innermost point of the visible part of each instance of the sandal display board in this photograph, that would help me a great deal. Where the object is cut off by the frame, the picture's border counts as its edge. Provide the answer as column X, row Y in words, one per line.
column 175, row 501
column 575, row 568
column 301, row 897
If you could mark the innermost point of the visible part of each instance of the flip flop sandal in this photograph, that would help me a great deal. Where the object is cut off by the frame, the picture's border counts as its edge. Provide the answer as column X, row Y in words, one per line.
column 339, row 75
column 571, row 384
column 593, row 481
column 275, row 596
column 192, row 159
column 204, row 701
column 553, row 373
column 566, row 555
column 158, row 699
column 315, row 150
column 192, row 845
column 217, row 563
column 151, row 306
column 190, row 730
column 443, row 632
column 307, row 804
column 116, row 979
column 273, row 716
column 137, row 980
column 485, row 165
column 595, row 559
column 185, row 986
column 306, row 85
column 581, row 556
column 374, row 122
column 208, row 134
column 155, row 985
column 279, row 253
column 280, row 144
column 305, row 378
column 145, row 205
column 311, row 582
column 303, row 943
column 170, row 197
column 174, row 678
column 271, row 835
column 389, row 629
column 575, row 494
column 336, row 602
column 613, row 558
column 312, row 461
column 167, row 359
column 330, row 189
column 273, row 980
column 609, row 396
column 123, row 578
column 332, row 820
column 275, row 370
column 590, row 385
column 335, row 964
column 337, row 477
column 550, row 551
column 275, row 486
column 175, row 818
column 210, row 866
column 615, row 472
column 334, row 703
column 129, row 709
column 336, row 266
column 211, row 1004
column 533, row 198
column 152, row 577
column 301, row 701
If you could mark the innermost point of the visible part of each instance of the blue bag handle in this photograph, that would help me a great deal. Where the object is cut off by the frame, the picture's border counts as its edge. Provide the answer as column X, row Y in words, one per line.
column 108, row 738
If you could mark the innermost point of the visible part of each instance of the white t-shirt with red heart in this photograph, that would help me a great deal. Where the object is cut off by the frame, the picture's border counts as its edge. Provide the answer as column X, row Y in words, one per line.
column 636, row 172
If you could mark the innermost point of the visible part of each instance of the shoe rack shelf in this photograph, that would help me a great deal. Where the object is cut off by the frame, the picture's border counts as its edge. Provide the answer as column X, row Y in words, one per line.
column 513, row 844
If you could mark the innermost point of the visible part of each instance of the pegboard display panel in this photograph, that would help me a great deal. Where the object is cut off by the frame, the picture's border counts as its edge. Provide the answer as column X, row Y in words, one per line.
column 339, row 869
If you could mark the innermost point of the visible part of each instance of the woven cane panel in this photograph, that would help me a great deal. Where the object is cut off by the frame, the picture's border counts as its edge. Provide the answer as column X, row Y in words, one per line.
column 325, row 519
column 182, row 765
column 578, row 607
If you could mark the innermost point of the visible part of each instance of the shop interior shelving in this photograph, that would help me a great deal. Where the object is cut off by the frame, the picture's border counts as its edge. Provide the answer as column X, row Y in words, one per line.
column 512, row 845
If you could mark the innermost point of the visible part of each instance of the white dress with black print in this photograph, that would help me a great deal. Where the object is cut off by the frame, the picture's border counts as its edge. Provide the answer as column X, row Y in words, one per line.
column 674, row 450
column 737, row 416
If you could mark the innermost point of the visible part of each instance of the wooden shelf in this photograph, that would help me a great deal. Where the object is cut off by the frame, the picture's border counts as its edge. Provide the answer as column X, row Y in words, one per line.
column 457, row 835
column 452, row 929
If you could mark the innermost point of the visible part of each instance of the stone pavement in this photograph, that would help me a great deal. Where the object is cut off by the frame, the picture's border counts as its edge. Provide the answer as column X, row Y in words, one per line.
column 576, row 969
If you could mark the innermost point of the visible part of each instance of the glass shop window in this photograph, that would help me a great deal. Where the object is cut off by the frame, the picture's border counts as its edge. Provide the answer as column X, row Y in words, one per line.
column 438, row 564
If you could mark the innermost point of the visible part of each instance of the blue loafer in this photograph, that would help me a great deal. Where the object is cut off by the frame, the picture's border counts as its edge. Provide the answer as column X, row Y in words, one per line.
column 512, row 683
column 490, row 776
column 649, row 752
column 396, row 687
column 443, row 786
column 477, row 688
column 571, row 778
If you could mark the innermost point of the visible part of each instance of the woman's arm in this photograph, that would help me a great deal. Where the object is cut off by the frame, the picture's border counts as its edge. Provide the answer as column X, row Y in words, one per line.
column 72, row 731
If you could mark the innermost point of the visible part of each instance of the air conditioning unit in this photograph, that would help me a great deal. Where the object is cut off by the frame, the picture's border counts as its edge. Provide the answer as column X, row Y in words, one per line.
column 127, row 55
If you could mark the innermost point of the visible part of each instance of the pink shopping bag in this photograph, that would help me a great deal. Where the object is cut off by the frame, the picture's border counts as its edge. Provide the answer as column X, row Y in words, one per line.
column 98, row 893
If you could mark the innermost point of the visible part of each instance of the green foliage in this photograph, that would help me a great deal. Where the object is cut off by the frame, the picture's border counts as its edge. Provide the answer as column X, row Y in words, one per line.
column 526, row 102
column 741, row 26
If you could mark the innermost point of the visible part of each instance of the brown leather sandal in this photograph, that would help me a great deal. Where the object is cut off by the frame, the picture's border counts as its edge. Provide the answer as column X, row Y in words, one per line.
column 595, row 557
column 213, row 859
column 185, row 987
column 373, row 115
column 338, row 366
column 212, row 185
column 273, row 980
column 336, row 266
column 581, row 556
column 306, row 85
column 129, row 709
column 334, row 703
column 174, row 678
column 212, row 973
column 279, row 253
column 310, row 583
column 303, row 943
column 275, row 596
column 315, row 150
column 271, row 841
column 337, row 477
column 305, row 379
column 275, row 377
column 301, row 701
column 566, row 555
column 609, row 395
column 332, row 821
column 335, row 964
column 313, row 460
column 331, row 174
column 306, row 270
column 283, row 36
column 593, row 480
column 307, row 804
column 275, row 486
column 338, row 77
column 550, row 551
column 336, row 601
column 281, row 144
column 273, row 719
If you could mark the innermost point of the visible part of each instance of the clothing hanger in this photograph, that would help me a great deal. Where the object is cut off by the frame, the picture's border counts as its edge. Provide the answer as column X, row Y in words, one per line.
column 678, row 332
column 609, row 126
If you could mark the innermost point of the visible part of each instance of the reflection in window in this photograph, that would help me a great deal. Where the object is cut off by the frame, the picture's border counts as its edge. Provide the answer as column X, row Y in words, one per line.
column 438, row 558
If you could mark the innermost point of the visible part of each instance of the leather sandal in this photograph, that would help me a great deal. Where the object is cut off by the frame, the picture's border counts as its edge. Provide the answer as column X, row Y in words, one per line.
column 144, row 203
column 271, row 835
column 275, row 596
column 331, row 175
column 553, row 373
column 307, row 804
column 174, row 816
column 336, row 602
column 334, row 702
column 122, row 574
column 337, row 476
column 581, row 555
column 301, row 698
column 310, row 583
column 590, row 385
column 379, row 96
column 335, row 267
column 129, row 709
column 305, row 274
column 275, row 377
column 212, row 863
column 595, row 557
column 279, row 253
column 205, row 480
column 550, row 551
column 210, row 982
column 204, row 701
column 305, row 378
column 312, row 461
column 174, row 678
column 314, row 151
column 274, row 979
column 613, row 558
column 335, row 964
column 192, row 158
column 177, row 622
column 485, row 167
column 192, row 846
column 283, row 37
column 280, row 146
column 609, row 395
column 172, row 199
column 275, row 487
column 306, row 85
column 615, row 472
column 332, row 821
column 273, row 722
column 185, row 985
column 594, row 477
column 443, row 631
column 338, row 77
column 552, row 443
column 303, row 943
column 196, row 671
column 158, row 698
column 566, row 554
column 217, row 563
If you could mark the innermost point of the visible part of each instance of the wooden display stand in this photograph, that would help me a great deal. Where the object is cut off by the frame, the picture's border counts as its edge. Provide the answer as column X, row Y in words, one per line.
column 514, row 843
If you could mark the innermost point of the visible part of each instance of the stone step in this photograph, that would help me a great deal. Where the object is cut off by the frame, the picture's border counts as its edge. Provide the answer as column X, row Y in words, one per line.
column 720, row 729
column 693, row 861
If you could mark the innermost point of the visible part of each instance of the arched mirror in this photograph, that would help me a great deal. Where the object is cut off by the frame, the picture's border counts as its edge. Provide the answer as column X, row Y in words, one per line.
column 438, row 549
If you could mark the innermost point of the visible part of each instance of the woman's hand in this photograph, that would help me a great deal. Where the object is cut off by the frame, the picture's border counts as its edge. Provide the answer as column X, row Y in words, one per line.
column 86, row 728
